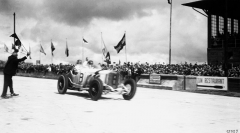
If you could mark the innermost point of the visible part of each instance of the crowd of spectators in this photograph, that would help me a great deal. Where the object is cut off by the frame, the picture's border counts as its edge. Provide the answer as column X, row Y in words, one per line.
column 53, row 68
column 135, row 69
column 180, row 69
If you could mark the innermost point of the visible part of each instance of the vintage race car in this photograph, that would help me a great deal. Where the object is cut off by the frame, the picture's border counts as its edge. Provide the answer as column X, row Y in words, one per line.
column 96, row 82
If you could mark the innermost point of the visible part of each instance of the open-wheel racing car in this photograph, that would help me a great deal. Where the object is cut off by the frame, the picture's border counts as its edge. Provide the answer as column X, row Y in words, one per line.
column 97, row 82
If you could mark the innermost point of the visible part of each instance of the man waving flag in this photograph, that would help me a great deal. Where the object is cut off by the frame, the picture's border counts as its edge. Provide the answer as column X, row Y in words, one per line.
column 121, row 44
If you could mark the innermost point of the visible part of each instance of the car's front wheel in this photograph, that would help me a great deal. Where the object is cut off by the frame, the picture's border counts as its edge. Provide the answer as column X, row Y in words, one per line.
column 95, row 89
column 130, row 84
column 62, row 84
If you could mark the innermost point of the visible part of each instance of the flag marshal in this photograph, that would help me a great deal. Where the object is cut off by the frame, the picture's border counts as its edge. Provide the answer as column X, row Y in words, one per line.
column 121, row 44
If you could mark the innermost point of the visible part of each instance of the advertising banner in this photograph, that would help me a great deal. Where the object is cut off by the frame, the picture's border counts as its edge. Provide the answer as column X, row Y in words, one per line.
column 154, row 79
column 212, row 83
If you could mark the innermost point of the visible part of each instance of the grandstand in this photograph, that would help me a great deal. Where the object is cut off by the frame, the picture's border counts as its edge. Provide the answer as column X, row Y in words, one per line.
column 223, row 30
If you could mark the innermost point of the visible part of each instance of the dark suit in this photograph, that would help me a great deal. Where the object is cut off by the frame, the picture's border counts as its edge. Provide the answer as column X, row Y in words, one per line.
column 10, row 70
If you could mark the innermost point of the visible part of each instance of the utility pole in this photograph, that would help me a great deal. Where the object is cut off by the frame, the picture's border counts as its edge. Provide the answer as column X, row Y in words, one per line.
column 170, row 34
column 14, row 27
column 226, row 39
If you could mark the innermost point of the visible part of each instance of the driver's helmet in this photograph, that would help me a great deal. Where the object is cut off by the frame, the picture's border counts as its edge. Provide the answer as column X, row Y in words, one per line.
column 74, row 71
column 90, row 62
column 79, row 62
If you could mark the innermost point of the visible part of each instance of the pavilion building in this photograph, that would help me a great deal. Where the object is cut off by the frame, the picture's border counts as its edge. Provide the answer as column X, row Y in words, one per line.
column 223, row 45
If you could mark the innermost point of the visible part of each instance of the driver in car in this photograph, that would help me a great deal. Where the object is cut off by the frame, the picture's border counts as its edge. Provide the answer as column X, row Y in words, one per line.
column 79, row 66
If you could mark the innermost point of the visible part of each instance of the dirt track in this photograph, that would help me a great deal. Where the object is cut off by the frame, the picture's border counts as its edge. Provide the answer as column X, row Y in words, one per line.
column 40, row 109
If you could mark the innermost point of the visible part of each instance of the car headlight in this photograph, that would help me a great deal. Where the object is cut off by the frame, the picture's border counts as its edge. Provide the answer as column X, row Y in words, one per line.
column 75, row 71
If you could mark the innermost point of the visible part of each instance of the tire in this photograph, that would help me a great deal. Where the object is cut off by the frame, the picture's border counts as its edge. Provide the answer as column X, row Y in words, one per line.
column 95, row 89
column 132, row 85
column 62, row 84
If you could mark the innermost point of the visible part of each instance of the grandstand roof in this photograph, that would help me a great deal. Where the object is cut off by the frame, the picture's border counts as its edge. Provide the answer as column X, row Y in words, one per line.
column 217, row 7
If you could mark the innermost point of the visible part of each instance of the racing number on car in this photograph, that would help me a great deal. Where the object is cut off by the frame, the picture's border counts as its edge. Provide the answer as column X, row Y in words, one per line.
column 81, row 77
column 114, row 80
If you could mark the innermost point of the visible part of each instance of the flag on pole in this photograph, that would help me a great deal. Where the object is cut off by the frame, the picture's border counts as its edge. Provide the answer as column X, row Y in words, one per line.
column 30, row 52
column 14, row 35
column 17, row 42
column 104, row 50
column 169, row 1
column 66, row 50
column 85, row 41
column 121, row 44
column 6, row 48
column 106, row 54
column 52, row 48
column 41, row 49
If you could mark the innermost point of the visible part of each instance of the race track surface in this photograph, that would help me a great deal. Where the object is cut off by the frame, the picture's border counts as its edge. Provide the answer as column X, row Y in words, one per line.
column 40, row 109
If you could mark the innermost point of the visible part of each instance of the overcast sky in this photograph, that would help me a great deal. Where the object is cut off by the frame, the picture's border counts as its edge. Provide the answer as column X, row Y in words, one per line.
column 146, row 23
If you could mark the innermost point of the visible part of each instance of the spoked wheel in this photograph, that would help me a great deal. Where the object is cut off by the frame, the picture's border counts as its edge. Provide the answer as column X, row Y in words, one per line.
column 130, row 84
column 95, row 89
column 62, row 84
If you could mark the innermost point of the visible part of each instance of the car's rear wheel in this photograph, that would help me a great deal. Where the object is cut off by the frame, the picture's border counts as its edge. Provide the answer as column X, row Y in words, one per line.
column 95, row 89
column 130, row 84
column 62, row 84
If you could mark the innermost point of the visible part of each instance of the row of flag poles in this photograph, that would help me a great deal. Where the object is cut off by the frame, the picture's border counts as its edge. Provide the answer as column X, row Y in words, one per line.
column 53, row 48
column 18, row 46
column 106, row 53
